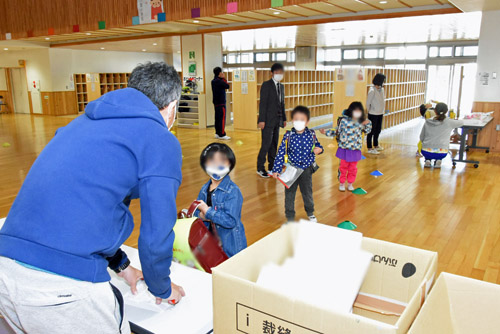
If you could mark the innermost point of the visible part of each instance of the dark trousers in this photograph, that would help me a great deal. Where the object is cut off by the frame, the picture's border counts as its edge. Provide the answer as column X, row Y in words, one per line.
column 306, row 188
column 376, row 129
column 268, row 147
column 220, row 120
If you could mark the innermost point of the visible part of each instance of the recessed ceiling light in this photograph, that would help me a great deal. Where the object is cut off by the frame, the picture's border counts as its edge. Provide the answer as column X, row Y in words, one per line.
column 196, row 21
column 155, row 44
column 102, row 48
column 47, row 38
column 88, row 34
column 383, row 2
column 6, row 49
column 276, row 13
column 144, row 50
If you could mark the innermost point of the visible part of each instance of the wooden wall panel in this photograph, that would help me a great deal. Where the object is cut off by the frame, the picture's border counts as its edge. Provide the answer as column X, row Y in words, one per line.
column 489, row 136
column 59, row 103
column 7, row 99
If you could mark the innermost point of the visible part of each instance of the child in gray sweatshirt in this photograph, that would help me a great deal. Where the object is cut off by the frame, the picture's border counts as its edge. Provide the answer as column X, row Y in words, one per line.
column 435, row 136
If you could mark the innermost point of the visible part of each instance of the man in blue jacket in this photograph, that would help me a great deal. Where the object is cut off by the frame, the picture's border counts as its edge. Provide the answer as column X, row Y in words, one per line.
column 71, row 215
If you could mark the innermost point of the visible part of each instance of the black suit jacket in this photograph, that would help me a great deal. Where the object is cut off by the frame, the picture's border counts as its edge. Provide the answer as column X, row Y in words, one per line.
column 271, row 110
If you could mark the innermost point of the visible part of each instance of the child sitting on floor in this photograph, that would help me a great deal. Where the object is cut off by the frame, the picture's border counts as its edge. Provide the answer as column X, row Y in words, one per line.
column 221, row 199
column 301, row 146
column 435, row 136
column 350, row 138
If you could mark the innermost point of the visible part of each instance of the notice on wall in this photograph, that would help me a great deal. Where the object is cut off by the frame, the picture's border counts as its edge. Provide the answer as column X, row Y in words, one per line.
column 251, row 75
column 340, row 75
column 349, row 89
column 244, row 76
column 244, row 88
column 237, row 75
column 149, row 10
column 484, row 78
column 361, row 75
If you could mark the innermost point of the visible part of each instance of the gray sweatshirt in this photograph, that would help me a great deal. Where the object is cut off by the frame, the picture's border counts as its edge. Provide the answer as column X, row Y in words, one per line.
column 375, row 103
column 436, row 134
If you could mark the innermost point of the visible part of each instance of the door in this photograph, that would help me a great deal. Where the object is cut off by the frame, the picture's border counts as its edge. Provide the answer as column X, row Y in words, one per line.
column 19, row 91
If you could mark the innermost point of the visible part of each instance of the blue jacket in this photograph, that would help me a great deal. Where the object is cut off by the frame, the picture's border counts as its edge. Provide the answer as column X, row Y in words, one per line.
column 300, row 149
column 70, row 215
column 219, row 87
column 225, row 212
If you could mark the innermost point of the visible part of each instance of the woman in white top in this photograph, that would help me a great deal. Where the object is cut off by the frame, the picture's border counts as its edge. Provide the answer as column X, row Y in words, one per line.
column 375, row 104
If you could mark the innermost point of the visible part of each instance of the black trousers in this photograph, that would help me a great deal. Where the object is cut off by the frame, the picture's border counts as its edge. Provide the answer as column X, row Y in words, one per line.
column 220, row 120
column 376, row 129
column 268, row 147
column 306, row 189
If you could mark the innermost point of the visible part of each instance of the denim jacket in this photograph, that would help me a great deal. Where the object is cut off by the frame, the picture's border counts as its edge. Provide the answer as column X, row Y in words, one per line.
column 225, row 213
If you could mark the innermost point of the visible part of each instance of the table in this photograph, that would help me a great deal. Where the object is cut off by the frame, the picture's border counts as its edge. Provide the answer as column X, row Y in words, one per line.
column 193, row 315
column 475, row 126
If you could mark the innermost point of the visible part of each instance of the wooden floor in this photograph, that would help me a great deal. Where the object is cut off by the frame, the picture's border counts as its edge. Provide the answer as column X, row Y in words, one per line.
column 455, row 212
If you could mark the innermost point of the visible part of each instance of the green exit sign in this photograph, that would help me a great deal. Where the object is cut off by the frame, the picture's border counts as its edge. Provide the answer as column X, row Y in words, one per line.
column 276, row 3
column 192, row 55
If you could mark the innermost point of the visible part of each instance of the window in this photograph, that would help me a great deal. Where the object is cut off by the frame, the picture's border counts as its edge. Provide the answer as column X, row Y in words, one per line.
column 247, row 58
column 351, row 54
column 445, row 51
column 395, row 53
column 233, row 58
column 416, row 52
column 373, row 53
column 291, row 56
column 262, row 56
column 279, row 56
column 433, row 51
column 333, row 55
column 470, row 51
column 224, row 59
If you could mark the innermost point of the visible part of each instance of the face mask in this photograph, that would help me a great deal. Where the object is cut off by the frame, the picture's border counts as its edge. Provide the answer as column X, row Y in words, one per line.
column 278, row 77
column 217, row 173
column 357, row 114
column 173, row 119
column 299, row 125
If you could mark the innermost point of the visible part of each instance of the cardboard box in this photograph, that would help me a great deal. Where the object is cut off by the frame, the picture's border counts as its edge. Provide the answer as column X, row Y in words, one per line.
column 396, row 285
column 459, row 305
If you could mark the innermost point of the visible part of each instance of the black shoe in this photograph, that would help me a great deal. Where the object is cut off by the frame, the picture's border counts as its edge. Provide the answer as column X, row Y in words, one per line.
column 263, row 173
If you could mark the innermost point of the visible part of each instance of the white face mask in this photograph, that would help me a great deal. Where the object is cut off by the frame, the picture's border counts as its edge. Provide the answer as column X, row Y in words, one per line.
column 217, row 173
column 356, row 114
column 299, row 125
column 278, row 77
column 173, row 119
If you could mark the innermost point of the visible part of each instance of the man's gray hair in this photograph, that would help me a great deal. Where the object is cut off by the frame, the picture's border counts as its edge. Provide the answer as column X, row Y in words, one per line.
column 158, row 81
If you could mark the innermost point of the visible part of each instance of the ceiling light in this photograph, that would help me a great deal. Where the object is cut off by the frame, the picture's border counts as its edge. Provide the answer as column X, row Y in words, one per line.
column 6, row 49
column 276, row 13
column 144, row 50
column 88, row 34
column 383, row 2
column 47, row 38
column 155, row 44
column 102, row 48
column 196, row 21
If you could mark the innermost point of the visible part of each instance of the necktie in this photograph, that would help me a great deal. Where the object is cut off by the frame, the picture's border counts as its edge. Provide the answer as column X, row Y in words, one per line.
column 279, row 92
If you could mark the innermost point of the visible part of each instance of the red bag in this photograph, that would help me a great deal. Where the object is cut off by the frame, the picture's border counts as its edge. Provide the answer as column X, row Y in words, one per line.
column 205, row 244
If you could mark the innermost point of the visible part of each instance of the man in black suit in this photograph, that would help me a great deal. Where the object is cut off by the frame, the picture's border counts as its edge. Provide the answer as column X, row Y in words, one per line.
column 271, row 117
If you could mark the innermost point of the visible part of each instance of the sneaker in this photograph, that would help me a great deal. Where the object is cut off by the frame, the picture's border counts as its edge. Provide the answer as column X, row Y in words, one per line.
column 342, row 187
column 373, row 151
column 222, row 138
column 263, row 173
column 428, row 164
column 379, row 148
column 313, row 219
column 437, row 164
column 350, row 187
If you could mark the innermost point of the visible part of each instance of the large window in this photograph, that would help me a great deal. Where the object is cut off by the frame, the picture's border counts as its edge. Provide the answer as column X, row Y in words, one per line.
column 446, row 51
column 373, row 53
column 351, row 54
column 466, row 51
column 333, row 55
column 395, row 53
column 416, row 52
column 262, row 56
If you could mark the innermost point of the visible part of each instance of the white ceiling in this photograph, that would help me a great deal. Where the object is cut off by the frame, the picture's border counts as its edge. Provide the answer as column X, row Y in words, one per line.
column 476, row 5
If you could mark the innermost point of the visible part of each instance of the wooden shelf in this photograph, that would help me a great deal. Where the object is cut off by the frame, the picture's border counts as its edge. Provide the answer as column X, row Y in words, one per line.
column 189, row 113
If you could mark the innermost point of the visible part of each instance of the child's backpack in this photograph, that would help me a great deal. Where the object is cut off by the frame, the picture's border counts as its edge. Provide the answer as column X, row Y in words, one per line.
column 195, row 245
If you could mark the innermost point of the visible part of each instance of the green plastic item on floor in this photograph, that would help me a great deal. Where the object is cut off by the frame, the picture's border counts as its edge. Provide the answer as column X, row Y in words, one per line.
column 359, row 191
column 347, row 225
column 6, row 144
column 239, row 143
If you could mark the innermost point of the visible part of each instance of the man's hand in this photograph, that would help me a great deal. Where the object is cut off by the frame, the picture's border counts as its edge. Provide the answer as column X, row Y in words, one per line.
column 132, row 275
column 203, row 207
column 323, row 131
column 175, row 296
column 276, row 175
column 262, row 125
column 318, row 150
